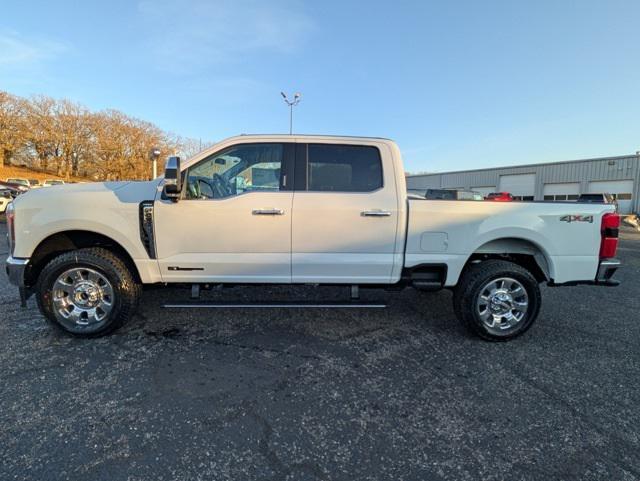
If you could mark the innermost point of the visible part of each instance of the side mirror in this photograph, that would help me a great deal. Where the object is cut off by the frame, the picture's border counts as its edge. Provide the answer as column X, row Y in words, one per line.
column 6, row 194
column 172, row 179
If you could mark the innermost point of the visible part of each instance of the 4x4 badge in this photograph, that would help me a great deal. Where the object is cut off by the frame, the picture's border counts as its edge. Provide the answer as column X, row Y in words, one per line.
column 577, row 218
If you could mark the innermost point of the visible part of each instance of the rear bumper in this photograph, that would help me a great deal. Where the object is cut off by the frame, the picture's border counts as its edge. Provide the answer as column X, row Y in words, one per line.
column 606, row 270
column 604, row 276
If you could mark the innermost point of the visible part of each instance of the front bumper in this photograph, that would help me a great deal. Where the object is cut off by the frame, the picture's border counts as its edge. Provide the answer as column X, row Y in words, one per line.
column 16, row 270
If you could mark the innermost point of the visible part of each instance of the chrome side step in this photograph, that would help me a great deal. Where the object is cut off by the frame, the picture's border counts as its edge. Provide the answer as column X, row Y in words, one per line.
column 277, row 305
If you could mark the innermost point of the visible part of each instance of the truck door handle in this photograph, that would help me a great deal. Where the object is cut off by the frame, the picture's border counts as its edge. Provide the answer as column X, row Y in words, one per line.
column 375, row 213
column 267, row 212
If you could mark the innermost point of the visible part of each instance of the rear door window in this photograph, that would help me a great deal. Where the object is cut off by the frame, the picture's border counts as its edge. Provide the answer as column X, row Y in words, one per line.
column 343, row 168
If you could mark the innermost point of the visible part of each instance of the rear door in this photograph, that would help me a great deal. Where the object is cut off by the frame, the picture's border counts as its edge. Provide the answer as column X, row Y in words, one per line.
column 345, row 214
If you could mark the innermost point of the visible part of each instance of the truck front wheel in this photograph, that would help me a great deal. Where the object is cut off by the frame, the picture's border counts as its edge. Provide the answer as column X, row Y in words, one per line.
column 497, row 300
column 87, row 292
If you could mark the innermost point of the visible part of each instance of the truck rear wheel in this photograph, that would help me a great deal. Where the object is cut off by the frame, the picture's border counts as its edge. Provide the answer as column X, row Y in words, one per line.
column 497, row 300
column 87, row 292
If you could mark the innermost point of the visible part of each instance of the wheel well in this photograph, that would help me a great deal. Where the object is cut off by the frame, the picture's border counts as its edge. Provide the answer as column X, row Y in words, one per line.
column 519, row 251
column 62, row 242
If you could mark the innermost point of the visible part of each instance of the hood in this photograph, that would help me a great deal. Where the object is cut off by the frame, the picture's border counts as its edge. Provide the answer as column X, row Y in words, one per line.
column 85, row 187
column 126, row 191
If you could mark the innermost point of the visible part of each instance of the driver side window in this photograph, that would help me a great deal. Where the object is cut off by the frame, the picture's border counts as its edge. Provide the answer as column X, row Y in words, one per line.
column 237, row 170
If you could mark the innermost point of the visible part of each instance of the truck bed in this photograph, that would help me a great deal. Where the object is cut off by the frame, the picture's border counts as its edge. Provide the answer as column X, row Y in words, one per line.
column 562, row 234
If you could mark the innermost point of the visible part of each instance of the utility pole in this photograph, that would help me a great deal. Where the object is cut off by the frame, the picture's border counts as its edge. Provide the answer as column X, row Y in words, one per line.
column 291, row 103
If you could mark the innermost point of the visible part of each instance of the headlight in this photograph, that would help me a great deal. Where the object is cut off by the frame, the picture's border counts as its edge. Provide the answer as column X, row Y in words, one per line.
column 11, row 227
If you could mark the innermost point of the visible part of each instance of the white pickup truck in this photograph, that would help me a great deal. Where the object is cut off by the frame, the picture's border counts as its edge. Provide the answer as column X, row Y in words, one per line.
column 281, row 209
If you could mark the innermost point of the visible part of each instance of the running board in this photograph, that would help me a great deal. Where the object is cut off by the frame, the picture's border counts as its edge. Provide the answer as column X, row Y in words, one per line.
column 277, row 305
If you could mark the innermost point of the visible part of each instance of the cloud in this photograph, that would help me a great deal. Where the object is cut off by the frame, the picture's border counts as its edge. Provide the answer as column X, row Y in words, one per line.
column 206, row 33
column 16, row 51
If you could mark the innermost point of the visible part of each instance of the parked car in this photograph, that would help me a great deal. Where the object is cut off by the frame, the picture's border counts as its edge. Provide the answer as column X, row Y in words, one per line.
column 50, row 182
column 452, row 194
column 34, row 183
column 14, row 188
column 19, row 181
column 499, row 197
column 5, row 199
column 277, row 209
column 599, row 199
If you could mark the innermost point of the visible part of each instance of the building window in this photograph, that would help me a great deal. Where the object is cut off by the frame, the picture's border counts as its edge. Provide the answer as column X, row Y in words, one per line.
column 561, row 197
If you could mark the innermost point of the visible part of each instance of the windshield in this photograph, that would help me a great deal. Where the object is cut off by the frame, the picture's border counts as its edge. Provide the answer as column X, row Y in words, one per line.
column 19, row 181
column 592, row 197
column 441, row 194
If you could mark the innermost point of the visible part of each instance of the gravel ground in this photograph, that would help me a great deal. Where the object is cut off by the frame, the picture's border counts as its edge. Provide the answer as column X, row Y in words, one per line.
column 395, row 394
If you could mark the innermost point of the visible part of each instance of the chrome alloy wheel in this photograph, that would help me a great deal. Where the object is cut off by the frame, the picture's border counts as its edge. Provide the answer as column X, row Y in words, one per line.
column 82, row 299
column 502, row 305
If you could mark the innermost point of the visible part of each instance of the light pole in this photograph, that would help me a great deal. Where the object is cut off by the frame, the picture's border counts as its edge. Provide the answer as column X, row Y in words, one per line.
column 75, row 163
column 291, row 104
column 155, row 155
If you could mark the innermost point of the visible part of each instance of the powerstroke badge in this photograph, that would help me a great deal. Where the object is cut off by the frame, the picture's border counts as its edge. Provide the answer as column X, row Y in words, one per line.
column 577, row 218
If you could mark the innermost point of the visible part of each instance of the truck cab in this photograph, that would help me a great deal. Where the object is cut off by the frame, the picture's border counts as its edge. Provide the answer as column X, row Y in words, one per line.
column 275, row 211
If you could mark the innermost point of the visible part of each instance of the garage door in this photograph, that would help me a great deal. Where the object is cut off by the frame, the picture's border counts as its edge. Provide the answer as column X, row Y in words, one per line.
column 561, row 191
column 521, row 186
column 485, row 191
column 620, row 189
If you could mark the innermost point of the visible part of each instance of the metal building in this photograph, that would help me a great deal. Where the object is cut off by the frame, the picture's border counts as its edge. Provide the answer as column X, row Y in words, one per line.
column 619, row 176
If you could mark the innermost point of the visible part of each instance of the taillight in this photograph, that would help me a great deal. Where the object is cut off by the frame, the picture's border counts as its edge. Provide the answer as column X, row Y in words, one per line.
column 609, row 232
column 11, row 227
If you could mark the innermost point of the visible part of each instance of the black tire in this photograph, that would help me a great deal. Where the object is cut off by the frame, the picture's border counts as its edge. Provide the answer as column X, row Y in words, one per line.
column 126, row 291
column 470, row 286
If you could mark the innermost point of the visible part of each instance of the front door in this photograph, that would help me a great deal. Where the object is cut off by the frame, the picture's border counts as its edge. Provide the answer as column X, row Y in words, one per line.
column 233, row 222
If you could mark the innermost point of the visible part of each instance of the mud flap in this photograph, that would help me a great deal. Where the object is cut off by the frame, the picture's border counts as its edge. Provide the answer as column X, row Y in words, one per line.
column 25, row 294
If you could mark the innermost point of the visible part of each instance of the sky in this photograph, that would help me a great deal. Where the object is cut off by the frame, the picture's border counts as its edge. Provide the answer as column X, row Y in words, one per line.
column 458, row 84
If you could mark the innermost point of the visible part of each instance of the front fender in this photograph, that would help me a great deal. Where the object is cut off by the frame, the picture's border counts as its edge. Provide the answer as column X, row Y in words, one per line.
column 109, row 209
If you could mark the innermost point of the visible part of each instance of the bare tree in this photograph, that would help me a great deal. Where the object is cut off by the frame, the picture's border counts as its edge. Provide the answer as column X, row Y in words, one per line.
column 188, row 147
column 65, row 138
column 11, row 126
column 41, row 137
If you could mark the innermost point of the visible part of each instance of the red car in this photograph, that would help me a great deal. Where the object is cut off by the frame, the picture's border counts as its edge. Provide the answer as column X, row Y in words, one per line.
column 499, row 197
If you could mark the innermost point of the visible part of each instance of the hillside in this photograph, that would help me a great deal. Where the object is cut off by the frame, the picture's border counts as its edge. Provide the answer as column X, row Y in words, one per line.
column 7, row 172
